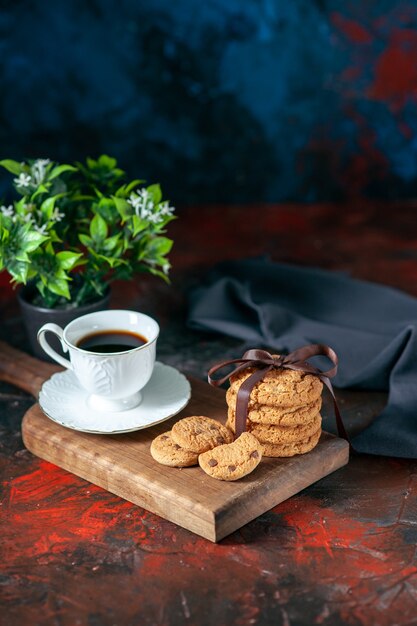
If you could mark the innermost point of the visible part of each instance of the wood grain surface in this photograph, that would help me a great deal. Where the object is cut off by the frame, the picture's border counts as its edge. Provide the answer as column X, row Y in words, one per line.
column 24, row 371
column 122, row 464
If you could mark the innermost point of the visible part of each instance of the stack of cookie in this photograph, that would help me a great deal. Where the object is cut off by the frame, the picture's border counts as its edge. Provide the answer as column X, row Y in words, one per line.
column 284, row 411
column 201, row 440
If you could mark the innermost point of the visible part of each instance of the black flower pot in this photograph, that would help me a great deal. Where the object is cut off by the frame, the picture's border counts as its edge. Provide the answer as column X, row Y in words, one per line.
column 35, row 316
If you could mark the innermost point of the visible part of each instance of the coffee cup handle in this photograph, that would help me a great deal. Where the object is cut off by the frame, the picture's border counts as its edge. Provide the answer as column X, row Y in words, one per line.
column 57, row 330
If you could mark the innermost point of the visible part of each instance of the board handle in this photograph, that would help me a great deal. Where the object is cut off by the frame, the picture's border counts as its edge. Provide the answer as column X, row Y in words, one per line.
column 24, row 371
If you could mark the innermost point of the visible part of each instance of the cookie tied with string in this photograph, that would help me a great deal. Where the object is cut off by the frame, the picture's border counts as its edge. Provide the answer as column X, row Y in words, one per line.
column 274, row 386
column 289, row 389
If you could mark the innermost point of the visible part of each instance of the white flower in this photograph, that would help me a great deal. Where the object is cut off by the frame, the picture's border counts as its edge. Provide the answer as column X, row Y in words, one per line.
column 145, row 208
column 38, row 170
column 24, row 180
column 28, row 218
column 7, row 210
column 57, row 215
column 134, row 201
column 143, row 193
column 165, row 268
column 40, row 229
column 141, row 203
column 165, row 209
column 155, row 218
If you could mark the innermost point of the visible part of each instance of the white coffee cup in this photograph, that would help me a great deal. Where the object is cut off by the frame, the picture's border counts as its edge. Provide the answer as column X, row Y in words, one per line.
column 114, row 380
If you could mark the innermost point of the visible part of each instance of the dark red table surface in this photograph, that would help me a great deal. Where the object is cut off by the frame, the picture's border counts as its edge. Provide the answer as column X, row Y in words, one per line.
column 341, row 552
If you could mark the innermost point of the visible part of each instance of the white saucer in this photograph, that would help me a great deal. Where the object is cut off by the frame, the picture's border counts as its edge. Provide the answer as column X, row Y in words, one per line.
column 64, row 401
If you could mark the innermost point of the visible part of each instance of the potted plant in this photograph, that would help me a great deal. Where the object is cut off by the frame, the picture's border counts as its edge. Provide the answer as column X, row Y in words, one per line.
column 75, row 228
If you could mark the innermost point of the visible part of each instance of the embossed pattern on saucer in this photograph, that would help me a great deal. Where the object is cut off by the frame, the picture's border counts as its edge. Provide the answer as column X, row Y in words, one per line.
column 64, row 401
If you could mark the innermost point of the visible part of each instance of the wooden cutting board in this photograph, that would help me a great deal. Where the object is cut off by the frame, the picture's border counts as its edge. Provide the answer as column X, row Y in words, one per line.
column 123, row 465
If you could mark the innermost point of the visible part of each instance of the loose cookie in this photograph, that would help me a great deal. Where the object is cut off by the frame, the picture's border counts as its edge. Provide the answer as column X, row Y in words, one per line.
column 277, row 434
column 277, row 415
column 232, row 461
column 199, row 433
column 291, row 449
column 167, row 452
column 281, row 387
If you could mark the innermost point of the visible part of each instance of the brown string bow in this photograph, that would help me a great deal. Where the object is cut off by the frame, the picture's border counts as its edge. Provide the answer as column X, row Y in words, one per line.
column 264, row 363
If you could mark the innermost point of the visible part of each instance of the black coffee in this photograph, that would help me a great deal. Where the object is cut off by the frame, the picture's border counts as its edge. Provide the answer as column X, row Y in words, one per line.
column 111, row 341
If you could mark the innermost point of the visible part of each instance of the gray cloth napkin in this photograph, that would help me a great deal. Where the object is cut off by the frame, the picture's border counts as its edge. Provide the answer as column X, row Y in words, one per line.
column 371, row 327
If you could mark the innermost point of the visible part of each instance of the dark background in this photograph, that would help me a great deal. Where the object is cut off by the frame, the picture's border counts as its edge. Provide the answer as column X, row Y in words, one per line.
column 221, row 101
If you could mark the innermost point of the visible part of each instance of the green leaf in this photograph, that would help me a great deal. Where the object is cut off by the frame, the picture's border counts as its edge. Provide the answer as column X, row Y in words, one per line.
column 40, row 287
column 60, row 169
column 11, row 166
column 82, row 168
column 18, row 270
column 133, row 184
column 98, row 287
column 98, row 228
column 116, row 262
column 20, row 205
column 113, row 262
column 123, row 207
column 54, row 237
column 124, row 272
column 125, row 190
column 160, row 246
column 40, row 190
column 107, row 161
column 32, row 272
column 106, row 207
column 85, row 240
column 155, row 272
column 68, row 260
column 60, row 273
column 59, row 286
column 31, row 240
column 138, row 225
column 156, row 193
column 142, row 253
column 111, row 243
column 22, row 256
column 5, row 224
column 80, row 197
column 47, row 206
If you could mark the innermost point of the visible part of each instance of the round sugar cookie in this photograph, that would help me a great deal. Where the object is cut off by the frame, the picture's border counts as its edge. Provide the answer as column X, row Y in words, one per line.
column 165, row 451
column 291, row 449
column 281, row 387
column 277, row 415
column 199, row 433
column 278, row 434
